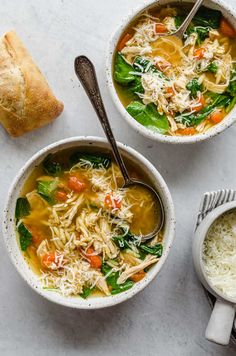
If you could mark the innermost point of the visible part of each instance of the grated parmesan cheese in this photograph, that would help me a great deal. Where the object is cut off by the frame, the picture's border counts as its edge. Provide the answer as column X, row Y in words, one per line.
column 219, row 254
column 149, row 45
column 77, row 224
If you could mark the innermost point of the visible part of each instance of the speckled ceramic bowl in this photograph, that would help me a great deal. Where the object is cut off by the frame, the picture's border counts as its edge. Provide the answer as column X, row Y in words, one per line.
column 10, row 233
column 221, row 321
column 227, row 122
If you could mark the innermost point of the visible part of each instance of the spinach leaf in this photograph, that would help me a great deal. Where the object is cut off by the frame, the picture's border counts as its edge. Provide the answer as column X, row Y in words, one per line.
column 95, row 160
column 179, row 19
column 22, row 208
column 25, row 236
column 213, row 67
column 124, row 239
column 105, row 268
column 194, row 87
column 46, row 189
column 142, row 254
column 136, row 86
column 156, row 250
column 143, row 65
column 51, row 167
column 112, row 280
column 86, row 292
column 148, row 116
column 122, row 71
column 219, row 100
column 202, row 32
column 232, row 85
column 232, row 88
column 121, row 242
column 206, row 17
column 203, row 21
column 231, row 105
column 122, row 287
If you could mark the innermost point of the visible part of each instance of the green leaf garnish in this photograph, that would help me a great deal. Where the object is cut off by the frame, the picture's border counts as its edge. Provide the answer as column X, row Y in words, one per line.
column 123, row 70
column 112, row 280
column 202, row 32
column 22, row 208
column 194, row 87
column 206, row 17
column 143, row 65
column 231, row 105
column 179, row 19
column 46, row 189
column 122, row 287
column 156, row 250
column 213, row 67
column 86, row 292
column 219, row 101
column 148, row 116
column 51, row 166
column 97, row 161
column 232, row 85
column 25, row 236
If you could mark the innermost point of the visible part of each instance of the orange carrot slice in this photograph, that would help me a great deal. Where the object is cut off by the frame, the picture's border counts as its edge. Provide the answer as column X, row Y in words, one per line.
column 123, row 41
column 226, row 28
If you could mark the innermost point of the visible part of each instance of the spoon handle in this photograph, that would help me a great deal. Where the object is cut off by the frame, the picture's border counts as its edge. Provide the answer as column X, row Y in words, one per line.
column 85, row 71
column 189, row 18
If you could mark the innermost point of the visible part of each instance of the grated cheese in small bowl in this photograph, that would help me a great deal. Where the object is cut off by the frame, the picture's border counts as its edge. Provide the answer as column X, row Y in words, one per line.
column 219, row 254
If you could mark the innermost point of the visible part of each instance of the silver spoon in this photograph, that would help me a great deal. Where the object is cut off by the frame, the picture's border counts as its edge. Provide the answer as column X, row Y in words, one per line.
column 182, row 29
column 85, row 71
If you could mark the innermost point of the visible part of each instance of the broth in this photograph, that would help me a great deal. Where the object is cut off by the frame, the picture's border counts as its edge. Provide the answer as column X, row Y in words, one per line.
column 171, row 87
column 77, row 217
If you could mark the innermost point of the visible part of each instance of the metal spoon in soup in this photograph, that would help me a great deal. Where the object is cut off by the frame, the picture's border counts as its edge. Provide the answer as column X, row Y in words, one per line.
column 176, row 38
column 182, row 29
column 85, row 71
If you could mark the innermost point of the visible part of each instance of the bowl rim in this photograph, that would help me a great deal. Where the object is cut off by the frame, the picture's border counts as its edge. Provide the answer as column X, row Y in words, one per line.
column 73, row 302
column 197, row 248
column 139, row 128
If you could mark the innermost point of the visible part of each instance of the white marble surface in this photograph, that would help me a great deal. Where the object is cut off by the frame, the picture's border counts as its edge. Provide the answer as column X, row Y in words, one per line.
column 169, row 317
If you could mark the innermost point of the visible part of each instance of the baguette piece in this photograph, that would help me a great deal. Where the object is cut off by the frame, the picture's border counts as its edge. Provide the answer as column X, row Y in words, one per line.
column 26, row 100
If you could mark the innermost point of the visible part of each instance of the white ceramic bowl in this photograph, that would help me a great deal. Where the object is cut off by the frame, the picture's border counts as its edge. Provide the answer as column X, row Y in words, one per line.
column 227, row 122
column 221, row 321
column 10, row 233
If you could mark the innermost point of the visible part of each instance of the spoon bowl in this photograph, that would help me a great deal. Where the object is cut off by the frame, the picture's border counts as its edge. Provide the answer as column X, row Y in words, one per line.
column 158, row 207
column 85, row 72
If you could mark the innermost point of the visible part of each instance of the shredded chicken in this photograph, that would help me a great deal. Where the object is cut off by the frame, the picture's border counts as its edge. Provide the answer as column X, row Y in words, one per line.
column 181, row 65
column 82, row 222
column 130, row 271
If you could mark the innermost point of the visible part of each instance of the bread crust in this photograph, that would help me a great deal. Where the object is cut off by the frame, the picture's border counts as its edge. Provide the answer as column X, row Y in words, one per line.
column 29, row 103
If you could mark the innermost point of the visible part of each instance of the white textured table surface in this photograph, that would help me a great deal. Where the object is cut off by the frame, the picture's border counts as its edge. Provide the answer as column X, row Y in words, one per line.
column 168, row 317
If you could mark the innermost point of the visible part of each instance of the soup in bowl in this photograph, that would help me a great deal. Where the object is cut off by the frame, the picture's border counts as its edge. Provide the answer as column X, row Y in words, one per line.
column 171, row 89
column 75, row 234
